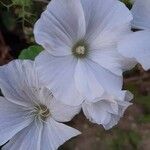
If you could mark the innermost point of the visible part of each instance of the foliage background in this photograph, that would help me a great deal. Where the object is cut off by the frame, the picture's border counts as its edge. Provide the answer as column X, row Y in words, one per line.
column 17, row 18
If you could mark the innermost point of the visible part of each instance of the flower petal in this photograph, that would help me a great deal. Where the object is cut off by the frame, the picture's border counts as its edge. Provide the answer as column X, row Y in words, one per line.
column 115, row 62
column 105, row 16
column 62, row 23
column 13, row 118
column 108, row 110
column 59, row 111
column 97, row 112
column 106, row 27
column 141, row 17
column 55, row 134
column 86, row 82
column 18, row 81
column 115, row 118
column 108, row 81
column 137, row 45
column 27, row 139
column 58, row 75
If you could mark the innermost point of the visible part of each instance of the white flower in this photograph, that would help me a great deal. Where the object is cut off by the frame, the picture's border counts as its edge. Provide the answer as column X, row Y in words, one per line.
column 80, row 37
column 141, row 14
column 29, row 114
column 108, row 110
column 137, row 45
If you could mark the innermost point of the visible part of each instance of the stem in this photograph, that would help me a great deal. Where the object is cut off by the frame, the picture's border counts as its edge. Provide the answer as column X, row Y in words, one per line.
column 7, row 6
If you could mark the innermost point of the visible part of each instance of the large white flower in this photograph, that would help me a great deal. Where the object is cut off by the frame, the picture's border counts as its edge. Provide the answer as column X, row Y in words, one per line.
column 137, row 45
column 80, row 38
column 141, row 14
column 29, row 114
column 109, row 109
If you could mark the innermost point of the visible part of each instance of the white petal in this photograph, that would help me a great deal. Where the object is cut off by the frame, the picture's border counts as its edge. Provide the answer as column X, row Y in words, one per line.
column 113, row 121
column 124, row 96
column 105, row 16
column 58, row 75
column 108, row 110
column 45, row 96
column 62, row 23
column 55, row 134
column 97, row 112
column 137, row 45
column 109, row 82
column 27, row 139
column 141, row 17
column 13, row 118
column 115, row 118
column 115, row 62
column 86, row 82
column 17, row 82
column 108, row 21
column 59, row 111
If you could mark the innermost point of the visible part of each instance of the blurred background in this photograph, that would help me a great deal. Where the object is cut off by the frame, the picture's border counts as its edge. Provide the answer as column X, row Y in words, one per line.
column 17, row 18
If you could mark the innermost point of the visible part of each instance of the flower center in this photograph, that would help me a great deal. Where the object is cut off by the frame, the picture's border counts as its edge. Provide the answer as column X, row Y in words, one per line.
column 80, row 49
column 42, row 112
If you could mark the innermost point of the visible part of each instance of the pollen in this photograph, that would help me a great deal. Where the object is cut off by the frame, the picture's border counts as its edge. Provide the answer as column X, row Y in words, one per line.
column 80, row 49
column 41, row 112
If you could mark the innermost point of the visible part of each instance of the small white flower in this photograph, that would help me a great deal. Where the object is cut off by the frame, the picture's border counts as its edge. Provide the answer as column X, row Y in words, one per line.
column 29, row 114
column 141, row 14
column 108, row 110
column 137, row 45
column 81, row 60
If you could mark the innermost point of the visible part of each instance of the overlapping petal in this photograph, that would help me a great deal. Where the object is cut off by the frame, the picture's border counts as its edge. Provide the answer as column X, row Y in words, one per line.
column 116, row 63
column 137, row 45
column 108, row 110
column 27, row 139
column 57, row 73
column 55, row 134
column 59, row 111
column 86, row 81
column 45, row 136
column 141, row 17
column 92, row 80
column 109, row 81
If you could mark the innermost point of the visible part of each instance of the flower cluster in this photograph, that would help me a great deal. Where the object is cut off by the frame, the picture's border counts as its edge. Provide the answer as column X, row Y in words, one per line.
column 88, row 44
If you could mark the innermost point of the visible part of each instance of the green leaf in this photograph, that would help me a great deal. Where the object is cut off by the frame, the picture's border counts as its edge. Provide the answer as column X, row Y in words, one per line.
column 31, row 52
